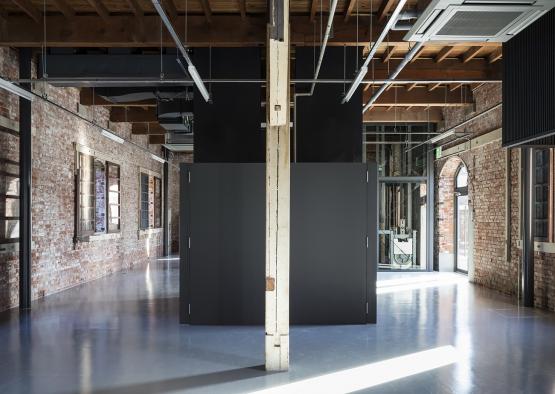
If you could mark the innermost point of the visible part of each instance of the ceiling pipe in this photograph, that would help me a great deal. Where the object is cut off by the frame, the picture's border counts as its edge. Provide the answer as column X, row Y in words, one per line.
column 452, row 130
column 142, row 82
column 399, row 68
column 322, row 49
column 364, row 69
column 191, row 69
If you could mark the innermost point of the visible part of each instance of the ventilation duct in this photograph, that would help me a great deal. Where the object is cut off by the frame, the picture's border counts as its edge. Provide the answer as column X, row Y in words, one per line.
column 476, row 20
column 141, row 93
column 176, row 116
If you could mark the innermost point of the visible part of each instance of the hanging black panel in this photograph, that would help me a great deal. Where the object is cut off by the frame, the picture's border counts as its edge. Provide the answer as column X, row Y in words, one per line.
column 326, row 130
column 228, row 129
column 529, row 85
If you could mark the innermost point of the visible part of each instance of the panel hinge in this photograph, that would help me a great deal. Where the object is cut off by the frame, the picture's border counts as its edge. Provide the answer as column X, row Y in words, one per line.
column 189, row 242
column 190, row 309
column 189, row 176
column 367, row 242
column 366, row 176
column 366, row 308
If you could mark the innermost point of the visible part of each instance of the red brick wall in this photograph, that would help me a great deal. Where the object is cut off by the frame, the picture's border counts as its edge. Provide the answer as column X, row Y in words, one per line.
column 493, row 267
column 58, row 263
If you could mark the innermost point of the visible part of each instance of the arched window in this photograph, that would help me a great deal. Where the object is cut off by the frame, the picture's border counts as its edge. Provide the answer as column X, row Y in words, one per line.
column 462, row 220
column 462, row 178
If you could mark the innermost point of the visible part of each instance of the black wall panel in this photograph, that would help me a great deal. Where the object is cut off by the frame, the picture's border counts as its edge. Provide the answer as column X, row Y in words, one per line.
column 228, row 129
column 333, row 274
column 529, row 85
column 326, row 130
column 328, row 243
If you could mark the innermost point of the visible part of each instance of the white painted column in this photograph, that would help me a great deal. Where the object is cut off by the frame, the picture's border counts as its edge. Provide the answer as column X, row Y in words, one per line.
column 277, row 193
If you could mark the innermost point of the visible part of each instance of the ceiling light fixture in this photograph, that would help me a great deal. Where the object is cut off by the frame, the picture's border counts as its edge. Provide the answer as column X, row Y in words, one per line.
column 191, row 67
column 112, row 136
column 157, row 158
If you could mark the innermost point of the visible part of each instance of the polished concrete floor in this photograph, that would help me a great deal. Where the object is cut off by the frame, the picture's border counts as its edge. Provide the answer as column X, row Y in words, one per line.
column 121, row 334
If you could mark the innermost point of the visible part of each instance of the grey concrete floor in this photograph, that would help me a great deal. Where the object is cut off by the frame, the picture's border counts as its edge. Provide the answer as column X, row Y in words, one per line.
column 120, row 334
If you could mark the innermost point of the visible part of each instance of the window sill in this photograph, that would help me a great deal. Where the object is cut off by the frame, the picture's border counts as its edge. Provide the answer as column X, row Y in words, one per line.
column 148, row 233
column 99, row 237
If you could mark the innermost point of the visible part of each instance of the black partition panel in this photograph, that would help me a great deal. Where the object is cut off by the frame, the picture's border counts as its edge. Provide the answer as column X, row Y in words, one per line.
column 333, row 271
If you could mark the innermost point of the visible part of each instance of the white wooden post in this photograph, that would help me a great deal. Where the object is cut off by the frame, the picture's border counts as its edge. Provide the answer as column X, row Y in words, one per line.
column 277, row 189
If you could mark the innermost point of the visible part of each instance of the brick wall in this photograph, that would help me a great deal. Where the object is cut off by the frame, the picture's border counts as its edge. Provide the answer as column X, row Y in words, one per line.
column 495, row 264
column 57, row 262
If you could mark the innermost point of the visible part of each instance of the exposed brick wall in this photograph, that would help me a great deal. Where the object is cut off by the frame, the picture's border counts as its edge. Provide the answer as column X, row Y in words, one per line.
column 487, row 166
column 57, row 262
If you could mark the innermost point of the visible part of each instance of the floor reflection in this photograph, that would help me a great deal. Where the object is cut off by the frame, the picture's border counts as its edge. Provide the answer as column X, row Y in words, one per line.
column 121, row 334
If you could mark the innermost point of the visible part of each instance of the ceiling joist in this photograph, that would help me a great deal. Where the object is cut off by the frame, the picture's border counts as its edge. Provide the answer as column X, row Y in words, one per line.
column 28, row 7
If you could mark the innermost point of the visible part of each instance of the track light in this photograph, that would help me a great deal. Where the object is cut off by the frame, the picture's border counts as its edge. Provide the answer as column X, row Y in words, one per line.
column 361, row 73
column 13, row 88
column 192, row 70
column 112, row 136
column 157, row 158
column 198, row 82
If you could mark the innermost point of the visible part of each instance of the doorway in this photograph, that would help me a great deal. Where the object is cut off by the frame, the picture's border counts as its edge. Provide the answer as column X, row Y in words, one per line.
column 462, row 220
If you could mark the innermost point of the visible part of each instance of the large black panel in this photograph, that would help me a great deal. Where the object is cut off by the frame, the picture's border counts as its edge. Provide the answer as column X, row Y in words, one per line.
column 326, row 130
column 333, row 209
column 226, row 258
column 328, row 243
column 228, row 129
column 529, row 85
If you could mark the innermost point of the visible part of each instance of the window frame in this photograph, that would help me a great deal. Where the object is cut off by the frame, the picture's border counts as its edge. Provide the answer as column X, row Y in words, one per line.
column 108, row 160
column 151, row 175
column 550, row 238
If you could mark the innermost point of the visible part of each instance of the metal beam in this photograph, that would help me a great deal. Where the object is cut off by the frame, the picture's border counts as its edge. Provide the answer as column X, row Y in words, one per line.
column 25, row 178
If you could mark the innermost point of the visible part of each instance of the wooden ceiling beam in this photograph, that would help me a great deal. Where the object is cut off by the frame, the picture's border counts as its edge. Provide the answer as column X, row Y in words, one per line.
column 205, row 4
column 418, row 54
column 495, row 55
column 349, row 9
column 313, row 10
column 243, row 9
column 138, row 12
column 384, row 9
column 421, row 97
column 226, row 31
column 444, row 53
column 133, row 114
column 389, row 53
column 28, row 7
column 169, row 6
column 471, row 54
column 101, row 10
column 433, row 87
column 409, row 115
column 64, row 8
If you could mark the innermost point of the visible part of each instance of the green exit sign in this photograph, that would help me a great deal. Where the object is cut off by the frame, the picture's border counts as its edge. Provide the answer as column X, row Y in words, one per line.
column 438, row 152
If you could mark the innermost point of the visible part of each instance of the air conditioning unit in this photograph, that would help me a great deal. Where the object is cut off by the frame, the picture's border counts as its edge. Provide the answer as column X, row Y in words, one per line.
column 476, row 20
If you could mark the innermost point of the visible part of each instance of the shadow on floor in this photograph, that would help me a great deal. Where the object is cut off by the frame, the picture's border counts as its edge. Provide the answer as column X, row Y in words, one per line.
column 187, row 382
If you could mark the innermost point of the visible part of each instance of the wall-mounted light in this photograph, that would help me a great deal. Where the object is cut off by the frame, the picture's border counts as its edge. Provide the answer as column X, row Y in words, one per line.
column 157, row 158
column 13, row 88
column 112, row 136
